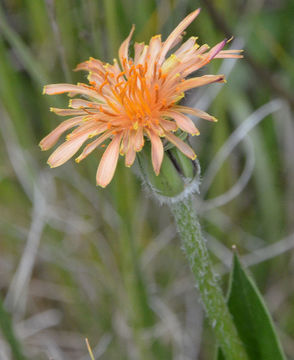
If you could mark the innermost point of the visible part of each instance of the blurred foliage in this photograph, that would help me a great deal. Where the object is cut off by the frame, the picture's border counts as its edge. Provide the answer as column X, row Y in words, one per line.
column 77, row 261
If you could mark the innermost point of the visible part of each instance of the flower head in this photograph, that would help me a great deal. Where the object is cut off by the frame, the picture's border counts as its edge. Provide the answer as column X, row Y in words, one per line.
column 127, row 103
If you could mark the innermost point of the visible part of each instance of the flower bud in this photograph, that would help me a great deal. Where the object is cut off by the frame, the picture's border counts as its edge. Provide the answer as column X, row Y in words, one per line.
column 178, row 177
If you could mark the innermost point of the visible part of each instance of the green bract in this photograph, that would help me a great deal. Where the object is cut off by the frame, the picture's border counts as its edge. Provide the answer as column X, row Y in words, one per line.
column 178, row 176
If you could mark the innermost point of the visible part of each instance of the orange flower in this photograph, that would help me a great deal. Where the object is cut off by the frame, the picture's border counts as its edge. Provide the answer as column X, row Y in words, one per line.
column 127, row 103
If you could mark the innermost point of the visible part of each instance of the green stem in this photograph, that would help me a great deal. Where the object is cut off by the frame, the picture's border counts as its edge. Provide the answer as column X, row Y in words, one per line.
column 212, row 298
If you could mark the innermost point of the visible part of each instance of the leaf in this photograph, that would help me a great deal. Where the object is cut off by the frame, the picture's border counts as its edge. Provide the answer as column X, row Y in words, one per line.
column 251, row 317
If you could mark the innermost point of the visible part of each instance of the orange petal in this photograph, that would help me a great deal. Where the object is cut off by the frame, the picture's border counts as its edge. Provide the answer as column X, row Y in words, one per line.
column 93, row 77
column 183, row 122
column 171, row 63
column 216, row 49
column 138, row 48
column 83, row 66
column 52, row 138
column 156, row 151
column 176, row 33
column 168, row 125
column 187, row 45
column 233, row 51
column 92, row 128
column 115, row 68
column 92, row 146
column 139, row 139
column 65, row 151
column 157, row 129
column 202, row 49
column 67, row 112
column 125, row 142
column 181, row 145
column 79, row 103
column 152, row 54
column 130, row 153
column 229, row 54
column 91, row 65
column 55, row 89
column 200, row 81
column 108, row 162
column 124, row 48
column 143, row 55
column 196, row 112
column 130, row 157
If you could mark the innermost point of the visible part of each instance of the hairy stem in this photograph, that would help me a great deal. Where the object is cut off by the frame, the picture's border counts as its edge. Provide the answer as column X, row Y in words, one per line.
column 212, row 298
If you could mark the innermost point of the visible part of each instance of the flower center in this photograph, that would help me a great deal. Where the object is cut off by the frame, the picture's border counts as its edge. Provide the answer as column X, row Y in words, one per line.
column 137, row 93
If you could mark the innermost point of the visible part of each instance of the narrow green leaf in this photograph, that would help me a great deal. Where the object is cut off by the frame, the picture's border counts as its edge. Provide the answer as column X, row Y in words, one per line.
column 8, row 333
column 251, row 317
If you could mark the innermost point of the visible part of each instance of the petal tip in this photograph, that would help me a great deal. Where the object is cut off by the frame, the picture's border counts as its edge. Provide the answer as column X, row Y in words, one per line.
column 42, row 147
column 51, row 166
column 196, row 132
column 139, row 148
column 197, row 11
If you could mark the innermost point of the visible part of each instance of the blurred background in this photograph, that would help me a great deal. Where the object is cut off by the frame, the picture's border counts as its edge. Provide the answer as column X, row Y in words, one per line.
column 80, row 262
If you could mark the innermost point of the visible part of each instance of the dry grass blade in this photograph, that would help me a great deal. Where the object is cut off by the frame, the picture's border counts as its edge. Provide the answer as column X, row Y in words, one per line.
column 89, row 349
column 238, row 135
